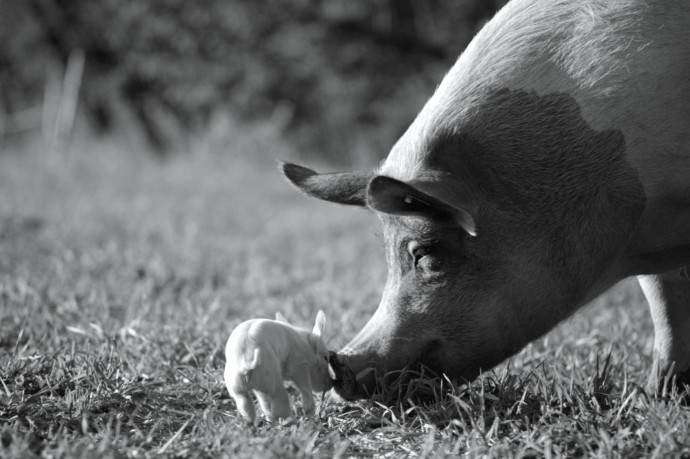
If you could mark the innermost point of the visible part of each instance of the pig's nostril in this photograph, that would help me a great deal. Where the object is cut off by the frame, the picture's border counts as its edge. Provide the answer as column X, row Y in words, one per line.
column 344, row 379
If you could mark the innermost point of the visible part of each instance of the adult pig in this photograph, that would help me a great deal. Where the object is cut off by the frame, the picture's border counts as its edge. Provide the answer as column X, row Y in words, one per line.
column 552, row 161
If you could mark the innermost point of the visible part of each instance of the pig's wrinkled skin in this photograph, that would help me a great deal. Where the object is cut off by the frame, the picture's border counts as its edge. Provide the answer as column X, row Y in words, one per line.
column 552, row 161
column 261, row 353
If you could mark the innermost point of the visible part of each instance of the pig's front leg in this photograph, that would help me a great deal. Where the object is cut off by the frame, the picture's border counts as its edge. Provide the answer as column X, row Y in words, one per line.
column 303, row 382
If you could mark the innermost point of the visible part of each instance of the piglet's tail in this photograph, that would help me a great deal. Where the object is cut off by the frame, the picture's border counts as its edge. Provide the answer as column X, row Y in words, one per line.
column 255, row 361
column 249, row 367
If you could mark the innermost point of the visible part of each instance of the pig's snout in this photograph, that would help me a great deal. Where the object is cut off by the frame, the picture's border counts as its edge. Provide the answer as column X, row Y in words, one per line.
column 348, row 384
column 343, row 376
column 363, row 375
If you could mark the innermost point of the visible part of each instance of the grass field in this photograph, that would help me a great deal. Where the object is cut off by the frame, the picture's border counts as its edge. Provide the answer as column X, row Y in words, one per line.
column 122, row 277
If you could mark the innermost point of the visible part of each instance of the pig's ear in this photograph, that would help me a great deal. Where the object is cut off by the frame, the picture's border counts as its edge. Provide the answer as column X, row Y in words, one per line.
column 391, row 196
column 281, row 318
column 341, row 187
column 320, row 325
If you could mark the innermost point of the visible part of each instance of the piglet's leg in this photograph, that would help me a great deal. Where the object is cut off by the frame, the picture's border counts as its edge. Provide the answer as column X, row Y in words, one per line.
column 303, row 383
column 267, row 382
column 245, row 405
column 275, row 405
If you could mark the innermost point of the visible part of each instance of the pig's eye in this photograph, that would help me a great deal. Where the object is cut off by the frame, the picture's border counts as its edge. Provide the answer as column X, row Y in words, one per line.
column 420, row 254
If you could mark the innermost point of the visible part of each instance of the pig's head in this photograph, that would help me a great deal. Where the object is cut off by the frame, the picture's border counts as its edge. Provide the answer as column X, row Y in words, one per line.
column 451, row 302
column 491, row 238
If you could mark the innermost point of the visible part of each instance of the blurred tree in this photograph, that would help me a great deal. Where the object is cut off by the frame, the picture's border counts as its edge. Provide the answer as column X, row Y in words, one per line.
column 333, row 73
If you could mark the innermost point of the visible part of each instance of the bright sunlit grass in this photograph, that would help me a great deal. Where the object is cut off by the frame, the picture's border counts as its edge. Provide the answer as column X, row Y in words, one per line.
column 122, row 277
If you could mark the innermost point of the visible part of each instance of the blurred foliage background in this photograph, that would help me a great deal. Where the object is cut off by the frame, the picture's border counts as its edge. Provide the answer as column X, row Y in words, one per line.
column 339, row 79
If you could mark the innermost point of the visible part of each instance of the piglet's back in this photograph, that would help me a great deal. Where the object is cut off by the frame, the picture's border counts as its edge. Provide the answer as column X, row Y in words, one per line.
column 271, row 337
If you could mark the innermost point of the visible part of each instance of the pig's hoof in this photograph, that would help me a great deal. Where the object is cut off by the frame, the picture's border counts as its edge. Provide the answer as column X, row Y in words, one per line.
column 683, row 385
column 678, row 383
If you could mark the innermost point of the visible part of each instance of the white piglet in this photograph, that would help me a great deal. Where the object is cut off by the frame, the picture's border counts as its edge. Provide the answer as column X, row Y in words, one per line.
column 261, row 353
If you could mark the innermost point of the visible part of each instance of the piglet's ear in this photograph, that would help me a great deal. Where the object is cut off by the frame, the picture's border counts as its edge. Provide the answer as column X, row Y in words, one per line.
column 281, row 318
column 320, row 325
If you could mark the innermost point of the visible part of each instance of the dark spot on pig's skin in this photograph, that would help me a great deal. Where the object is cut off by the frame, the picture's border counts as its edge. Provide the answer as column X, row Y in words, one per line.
column 539, row 161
